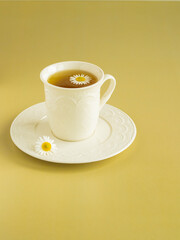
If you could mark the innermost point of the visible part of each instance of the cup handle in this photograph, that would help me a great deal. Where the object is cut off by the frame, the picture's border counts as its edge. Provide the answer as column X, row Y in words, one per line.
column 105, row 97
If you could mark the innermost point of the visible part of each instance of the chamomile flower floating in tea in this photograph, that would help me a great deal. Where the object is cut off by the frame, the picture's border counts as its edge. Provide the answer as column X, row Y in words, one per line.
column 45, row 146
column 80, row 79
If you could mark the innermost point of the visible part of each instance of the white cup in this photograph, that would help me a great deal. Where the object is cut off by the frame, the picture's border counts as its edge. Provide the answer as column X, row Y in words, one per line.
column 73, row 112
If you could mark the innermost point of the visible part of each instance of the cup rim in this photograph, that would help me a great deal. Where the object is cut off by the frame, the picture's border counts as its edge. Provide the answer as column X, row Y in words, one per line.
column 72, row 89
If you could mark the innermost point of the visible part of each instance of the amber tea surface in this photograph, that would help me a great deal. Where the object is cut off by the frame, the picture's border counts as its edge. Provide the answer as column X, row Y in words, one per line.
column 72, row 79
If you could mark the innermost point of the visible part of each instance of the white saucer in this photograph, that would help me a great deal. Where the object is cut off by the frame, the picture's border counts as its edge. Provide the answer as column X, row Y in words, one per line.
column 115, row 132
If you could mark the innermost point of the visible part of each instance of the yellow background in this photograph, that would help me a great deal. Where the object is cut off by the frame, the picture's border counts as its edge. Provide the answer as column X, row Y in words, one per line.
column 132, row 196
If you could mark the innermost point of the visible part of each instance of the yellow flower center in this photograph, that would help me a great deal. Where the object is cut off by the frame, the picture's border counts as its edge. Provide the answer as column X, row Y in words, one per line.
column 46, row 146
column 80, row 79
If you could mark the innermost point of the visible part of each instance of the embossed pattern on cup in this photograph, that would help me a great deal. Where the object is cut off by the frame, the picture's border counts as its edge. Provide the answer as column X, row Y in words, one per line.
column 72, row 114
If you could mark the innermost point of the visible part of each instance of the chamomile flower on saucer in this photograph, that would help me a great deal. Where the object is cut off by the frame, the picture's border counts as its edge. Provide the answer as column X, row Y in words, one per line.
column 80, row 79
column 45, row 146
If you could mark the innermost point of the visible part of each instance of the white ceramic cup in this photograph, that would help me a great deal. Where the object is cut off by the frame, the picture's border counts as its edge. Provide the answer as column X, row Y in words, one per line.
column 73, row 112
